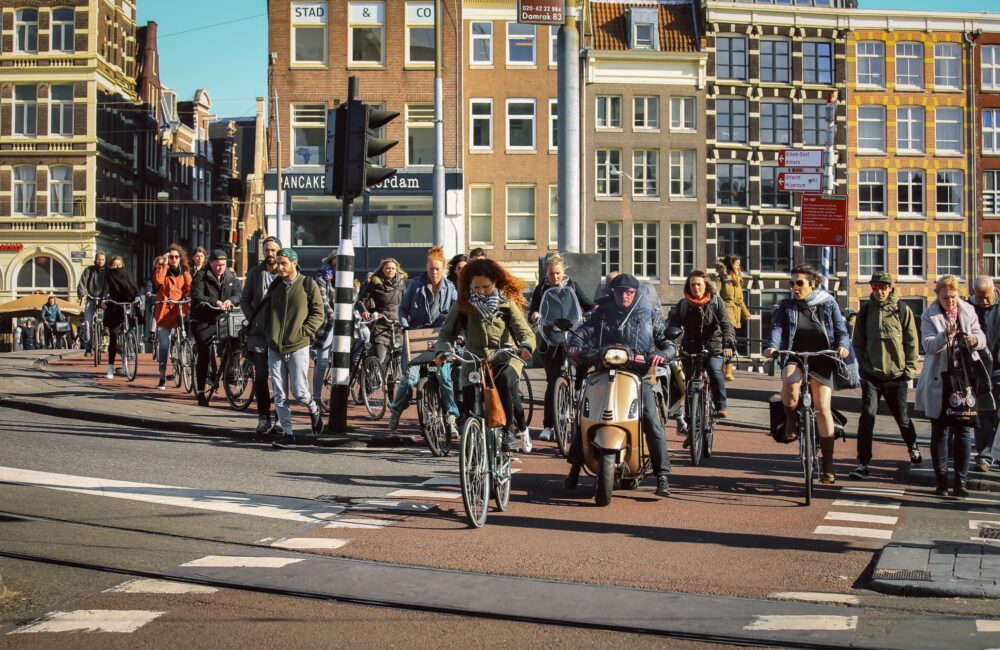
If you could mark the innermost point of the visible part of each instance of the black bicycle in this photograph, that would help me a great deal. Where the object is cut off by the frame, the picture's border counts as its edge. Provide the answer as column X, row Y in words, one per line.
column 227, row 363
column 699, row 406
column 180, row 350
column 94, row 327
column 128, row 339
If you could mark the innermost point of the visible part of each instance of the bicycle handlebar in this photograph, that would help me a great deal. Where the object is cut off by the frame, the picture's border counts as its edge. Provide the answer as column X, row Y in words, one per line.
column 808, row 355
column 475, row 360
column 121, row 304
column 172, row 302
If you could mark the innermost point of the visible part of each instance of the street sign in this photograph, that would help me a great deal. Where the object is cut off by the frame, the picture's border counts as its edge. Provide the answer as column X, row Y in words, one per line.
column 800, row 182
column 541, row 12
column 824, row 220
column 800, row 158
column 78, row 256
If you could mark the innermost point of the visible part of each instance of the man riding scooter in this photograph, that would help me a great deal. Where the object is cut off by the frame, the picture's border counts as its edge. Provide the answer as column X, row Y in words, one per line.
column 631, row 319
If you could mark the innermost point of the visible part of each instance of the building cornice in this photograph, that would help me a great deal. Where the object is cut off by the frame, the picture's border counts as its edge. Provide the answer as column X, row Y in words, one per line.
column 849, row 19
column 641, row 56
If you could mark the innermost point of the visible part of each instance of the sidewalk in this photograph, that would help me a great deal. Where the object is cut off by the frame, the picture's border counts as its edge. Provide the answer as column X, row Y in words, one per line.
column 938, row 568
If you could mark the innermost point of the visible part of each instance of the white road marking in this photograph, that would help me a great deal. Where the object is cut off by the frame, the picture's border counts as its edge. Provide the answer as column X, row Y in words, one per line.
column 424, row 494
column 987, row 625
column 991, row 513
column 230, row 561
column 359, row 522
column 976, row 523
column 862, row 518
column 443, row 480
column 146, row 586
column 803, row 622
column 405, row 506
column 854, row 503
column 91, row 620
column 310, row 543
column 845, row 531
column 856, row 489
column 230, row 502
column 816, row 597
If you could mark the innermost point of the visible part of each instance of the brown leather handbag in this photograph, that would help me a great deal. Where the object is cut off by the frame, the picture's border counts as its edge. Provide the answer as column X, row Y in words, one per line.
column 492, row 406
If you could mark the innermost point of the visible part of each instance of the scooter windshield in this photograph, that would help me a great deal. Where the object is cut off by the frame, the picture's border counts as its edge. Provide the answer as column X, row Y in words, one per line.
column 559, row 312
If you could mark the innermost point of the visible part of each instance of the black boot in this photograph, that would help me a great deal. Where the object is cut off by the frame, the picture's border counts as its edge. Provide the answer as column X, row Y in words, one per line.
column 959, row 491
column 791, row 424
column 573, row 478
column 942, row 486
column 662, row 486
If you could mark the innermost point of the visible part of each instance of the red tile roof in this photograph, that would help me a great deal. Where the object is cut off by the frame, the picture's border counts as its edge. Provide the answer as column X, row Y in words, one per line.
column 610, row 24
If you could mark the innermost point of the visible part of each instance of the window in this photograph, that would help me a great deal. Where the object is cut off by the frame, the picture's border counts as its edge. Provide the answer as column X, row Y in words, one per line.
column 644, row 249
column 948, row 130
column 553, row 45
column 420, row 32
column 947, row 65
column 607, row 177
column 682, row 243
column 991, row 255
column 910, row 65
column 775, row 61
column 770, row 197
column 871, row 128
column 813, row 256
column 482, row 43
column 26, row 31
column 991, row 131
column 990, row 63
column 949, row 192
column 480, row 213
column 419, row 134
column 731, row 184
column 731, row 57
column 553, row 216
column 871, row 253
column 609, row 112
column 62, row 38
column 61, row 110
column 520, row 124
column 775, row 123
column 521, row 214
column 24, row 190
column 643, row 34
column 733, row 241
column 645, row 166
column 910, row 128
column 609, row 246
column 481, row 123
column 814, row 124
column 910, row 192
column 308, row 134
column 775, row 250
column 366, row 30
column 871, row 63
column 43, row 274
column 682, row 174
column 25, row 110
column 553, row 124
column 910, row 255
column 871, row 191
column 991, row 192
column 61, row 190
column 520, row 44
column 309, row 20
column 646, row 112
column 769, row 300
column 950, row 247
column 682, row 113
column 817, row 62
column 731, row 120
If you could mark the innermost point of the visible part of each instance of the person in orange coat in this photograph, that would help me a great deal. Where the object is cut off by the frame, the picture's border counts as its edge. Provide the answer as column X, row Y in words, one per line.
column 173, row 281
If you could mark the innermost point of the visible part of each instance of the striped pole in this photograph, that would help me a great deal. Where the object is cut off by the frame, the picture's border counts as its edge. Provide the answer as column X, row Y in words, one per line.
column 343, row 327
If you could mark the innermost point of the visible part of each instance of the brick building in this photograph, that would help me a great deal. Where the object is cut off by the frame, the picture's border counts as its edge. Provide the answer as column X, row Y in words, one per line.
column 985, row 145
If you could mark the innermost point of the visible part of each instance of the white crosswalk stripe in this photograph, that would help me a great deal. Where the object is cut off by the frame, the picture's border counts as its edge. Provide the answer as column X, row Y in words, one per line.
column 847, row 531
column 122, row 621
column 861, row 518
column 777, row 622
column 424, row 494
column 987, row 625
column 242, row 561
column 308, row 543
column 147, row 586
column 816, row 597
column 858, row 503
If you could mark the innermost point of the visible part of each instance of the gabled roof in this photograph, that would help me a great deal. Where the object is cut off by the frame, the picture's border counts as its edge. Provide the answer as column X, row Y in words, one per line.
column 609, row 19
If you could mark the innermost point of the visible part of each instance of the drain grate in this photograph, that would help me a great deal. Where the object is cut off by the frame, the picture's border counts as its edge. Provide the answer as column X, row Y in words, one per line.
column 902, row 574
column 989, row 532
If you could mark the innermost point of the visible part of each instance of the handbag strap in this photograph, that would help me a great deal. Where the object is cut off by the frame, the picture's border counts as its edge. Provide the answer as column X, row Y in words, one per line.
column 487, row 371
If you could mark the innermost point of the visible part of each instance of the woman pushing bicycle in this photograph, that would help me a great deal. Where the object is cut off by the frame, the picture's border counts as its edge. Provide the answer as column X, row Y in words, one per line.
column 383, row 293
column 810, row 321
column 488, row 311
column 173, row 280
column 119, row 287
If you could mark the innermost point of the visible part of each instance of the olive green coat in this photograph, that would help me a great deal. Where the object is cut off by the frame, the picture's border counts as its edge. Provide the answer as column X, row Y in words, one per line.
column 484, row 338
column 730, row 288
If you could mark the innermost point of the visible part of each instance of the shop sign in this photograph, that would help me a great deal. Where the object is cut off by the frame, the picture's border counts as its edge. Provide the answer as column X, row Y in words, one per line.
column 78, row 256
column 11, row 248
column 366, row 13
column 420, row 183
column 541, row 12
column 419, row 13
column 309, row 13
column 303, row 182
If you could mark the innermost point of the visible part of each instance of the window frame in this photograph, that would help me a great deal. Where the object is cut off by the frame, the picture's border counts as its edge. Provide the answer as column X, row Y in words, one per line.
column 989, row 68
column 25, row 30
column 732, row 69
column 770, row 61
column 474, row 118
column 24, row 191
column 553, row 214
column 956, row 61
column 718, row 184
column 63, row 186
column 605, row 248
column 554, row 46
column 419, row 116
column 511, row 39
column 878, row 57
column 952, row 123
column 770, row 199
column 64, row 109
column 770, row 124
column 882, row 120
column 991, row 258
column 29, row 113
column 814, row 125
column 915, row 247
column 646, row 101
column 911, row 123
column 608, row 103
column 956, row 184
column 991, row 192
column 646, row 176
column 681, row 165
column 951, row 249
column 474, row 216
column 474, row 38
column 508, row 118
column 410, row 26
column 645, row 232
column 553, row 125
column 680, row 115
column 876, row 249
column 991, row 131
column 879, row 184
column 297, row 122
column 681, row 256
column 66, row 30
column 293, row 36
column 818, row 70
column 911, row 200
column 730, row 123
column 610, row 179
column 378, row 23
column 914, row 68
column 782, row 263
column 508, row 214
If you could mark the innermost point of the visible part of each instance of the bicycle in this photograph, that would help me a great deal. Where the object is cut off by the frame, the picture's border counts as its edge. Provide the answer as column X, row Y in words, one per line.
column 699, row 407
column 359, row 349
column 181, row 350
column 235, row 370
column 58, row 335
column 95, row 329
column 527, row 396
column 128, row 339
column 484, row 468
column 807, row 418
column 378, row 381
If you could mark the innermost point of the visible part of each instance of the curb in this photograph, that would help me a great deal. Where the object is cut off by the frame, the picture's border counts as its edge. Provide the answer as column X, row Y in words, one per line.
column 928, row 568
column 924, row 476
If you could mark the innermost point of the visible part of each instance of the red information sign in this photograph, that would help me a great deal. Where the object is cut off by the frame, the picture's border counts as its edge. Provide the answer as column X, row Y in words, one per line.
column 11, row 248
column 824, row 220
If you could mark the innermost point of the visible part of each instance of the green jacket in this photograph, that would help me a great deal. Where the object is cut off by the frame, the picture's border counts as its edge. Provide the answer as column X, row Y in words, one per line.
column 483, row 338
column 885, row 340
column 294, row 314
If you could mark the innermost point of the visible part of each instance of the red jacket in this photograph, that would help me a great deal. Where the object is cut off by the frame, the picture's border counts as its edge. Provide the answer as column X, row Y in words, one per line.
column 171, row 287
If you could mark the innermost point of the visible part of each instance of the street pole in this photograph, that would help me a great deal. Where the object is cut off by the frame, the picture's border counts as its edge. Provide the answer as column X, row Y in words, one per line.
column 569, row 133
column 277, row 139
column 438, row 172
column 830, row 168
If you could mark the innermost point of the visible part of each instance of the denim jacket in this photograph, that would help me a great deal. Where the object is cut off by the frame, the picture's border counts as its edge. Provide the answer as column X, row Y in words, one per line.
column 413, row 310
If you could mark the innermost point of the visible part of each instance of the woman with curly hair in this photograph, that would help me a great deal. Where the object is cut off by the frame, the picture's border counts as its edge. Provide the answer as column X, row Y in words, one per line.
column 455, row 267
column 489, row 311
column 383, row 294
column 173, row 281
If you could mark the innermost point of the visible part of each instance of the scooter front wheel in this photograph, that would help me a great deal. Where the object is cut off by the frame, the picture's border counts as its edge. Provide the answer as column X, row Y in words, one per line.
column 605, row 478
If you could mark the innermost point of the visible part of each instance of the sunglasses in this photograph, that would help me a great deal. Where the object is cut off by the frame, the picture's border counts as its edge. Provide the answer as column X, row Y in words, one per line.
column 798, row 283
column 173, row 256
column 880, row 287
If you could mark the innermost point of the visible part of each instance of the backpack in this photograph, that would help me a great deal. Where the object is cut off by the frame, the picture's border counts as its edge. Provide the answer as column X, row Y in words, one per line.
column 715, row 302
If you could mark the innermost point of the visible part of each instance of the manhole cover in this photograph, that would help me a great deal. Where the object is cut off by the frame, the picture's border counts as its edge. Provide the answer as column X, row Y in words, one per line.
column 902, row 574
column 989, row 532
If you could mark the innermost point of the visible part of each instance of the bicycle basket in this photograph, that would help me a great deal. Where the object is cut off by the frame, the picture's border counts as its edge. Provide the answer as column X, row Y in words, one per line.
column 230, row 324
column 62, row 327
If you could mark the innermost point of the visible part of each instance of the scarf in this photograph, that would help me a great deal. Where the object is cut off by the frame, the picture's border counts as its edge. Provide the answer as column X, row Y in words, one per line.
column 121, row 286
column 486, row 305
column 434, row 304
column 173, row 271
column 697, row 302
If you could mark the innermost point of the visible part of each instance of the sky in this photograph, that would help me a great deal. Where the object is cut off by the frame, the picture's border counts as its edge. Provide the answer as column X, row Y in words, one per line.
column 221, row 45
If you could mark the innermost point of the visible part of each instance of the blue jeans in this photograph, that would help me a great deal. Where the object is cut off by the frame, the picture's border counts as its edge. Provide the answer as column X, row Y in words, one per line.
column 88, row 317
column 322, row 363
column 410, row 378
column 955, row 438
column 163, row 347
column 716, row 378
column 987, row 441
column 290, row 373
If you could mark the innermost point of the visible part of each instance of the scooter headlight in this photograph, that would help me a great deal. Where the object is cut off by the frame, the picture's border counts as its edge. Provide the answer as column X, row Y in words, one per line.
column 615, row 357
column 633, row 409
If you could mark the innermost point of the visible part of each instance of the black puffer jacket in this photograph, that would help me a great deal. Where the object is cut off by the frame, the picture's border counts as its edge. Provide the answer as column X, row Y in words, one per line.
column 383, row 296
column 119, row 286
column 641, row 327
column 206, row 288
column 705, row 327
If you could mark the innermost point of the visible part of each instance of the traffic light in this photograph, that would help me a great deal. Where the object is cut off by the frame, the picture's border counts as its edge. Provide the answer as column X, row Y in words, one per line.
column 351, row 142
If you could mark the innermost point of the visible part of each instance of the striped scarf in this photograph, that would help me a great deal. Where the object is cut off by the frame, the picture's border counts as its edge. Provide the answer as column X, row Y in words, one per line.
column 486, row 305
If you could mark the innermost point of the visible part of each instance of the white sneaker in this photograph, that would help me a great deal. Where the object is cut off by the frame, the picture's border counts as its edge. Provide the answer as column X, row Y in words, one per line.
column 110, row 374
column 546, row 434
column 526, row 441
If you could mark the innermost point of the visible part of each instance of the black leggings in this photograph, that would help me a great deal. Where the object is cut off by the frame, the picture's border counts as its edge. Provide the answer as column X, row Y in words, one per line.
column 261, row 387
column 506, row 381
column 113, row 345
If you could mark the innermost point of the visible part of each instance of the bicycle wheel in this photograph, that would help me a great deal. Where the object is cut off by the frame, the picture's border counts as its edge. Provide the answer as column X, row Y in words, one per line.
column 807, row 450
column 373, row 387
column 709, row 427
column 696, row 426
column 238, row 380
column 63, row 342
column 527, row 397
column 500, row 486
column 212, row 383
column 563, row 402
column 474, row 472
column 98, row 344
column 323, row 399
column 430, row 417
column 187, row 365
column 130, row 354
column 174, row 354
